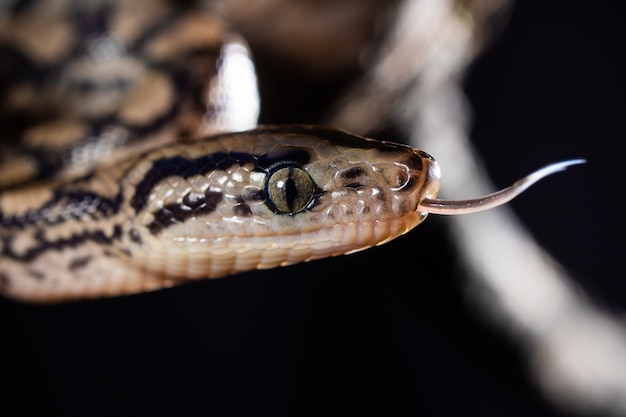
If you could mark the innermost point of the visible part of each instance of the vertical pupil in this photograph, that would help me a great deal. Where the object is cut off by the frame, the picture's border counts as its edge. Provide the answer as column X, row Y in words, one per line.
column 291, row 191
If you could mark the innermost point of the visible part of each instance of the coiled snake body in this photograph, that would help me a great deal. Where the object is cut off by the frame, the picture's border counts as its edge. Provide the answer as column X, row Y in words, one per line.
column 108, row 215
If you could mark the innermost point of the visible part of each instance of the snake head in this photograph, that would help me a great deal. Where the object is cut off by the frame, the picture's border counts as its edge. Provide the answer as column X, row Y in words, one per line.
column 277, row 196
column 273, row 196
column 219, row 206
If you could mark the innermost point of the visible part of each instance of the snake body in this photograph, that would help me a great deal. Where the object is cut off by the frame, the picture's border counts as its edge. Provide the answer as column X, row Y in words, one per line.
column 89, row 84
column 209, row 208
column 116, row 176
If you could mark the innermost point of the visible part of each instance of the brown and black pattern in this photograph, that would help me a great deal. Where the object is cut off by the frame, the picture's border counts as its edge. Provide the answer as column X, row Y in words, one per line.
column 91, row 81
column 110, row 180
column 203, row 210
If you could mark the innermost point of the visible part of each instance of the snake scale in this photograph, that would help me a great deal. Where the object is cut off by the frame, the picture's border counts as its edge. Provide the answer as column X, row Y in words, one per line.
column 121, row 172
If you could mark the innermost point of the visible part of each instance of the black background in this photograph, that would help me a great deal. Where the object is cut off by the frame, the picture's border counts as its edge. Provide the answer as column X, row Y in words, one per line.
column 388, row 331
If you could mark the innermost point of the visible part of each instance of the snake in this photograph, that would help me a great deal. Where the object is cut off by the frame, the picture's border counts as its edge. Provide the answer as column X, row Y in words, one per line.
column 128, row 164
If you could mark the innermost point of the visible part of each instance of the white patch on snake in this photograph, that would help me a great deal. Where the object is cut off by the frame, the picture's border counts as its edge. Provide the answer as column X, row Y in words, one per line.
column 233, row 94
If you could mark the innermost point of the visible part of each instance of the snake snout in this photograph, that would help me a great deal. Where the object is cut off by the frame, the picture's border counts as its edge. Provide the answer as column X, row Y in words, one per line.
column 430, row 174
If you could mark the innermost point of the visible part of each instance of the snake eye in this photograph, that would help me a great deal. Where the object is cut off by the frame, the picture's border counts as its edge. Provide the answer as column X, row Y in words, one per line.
column 289, row 189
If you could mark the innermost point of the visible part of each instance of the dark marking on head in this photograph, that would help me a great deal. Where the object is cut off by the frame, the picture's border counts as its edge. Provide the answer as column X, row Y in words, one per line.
column 352, row 173
column 242, row 158
column 194, row 200
column 178, row 213
column 242, row 210
column 284, row 155
column 354, row 177
column 78, row 263
column 211, row 200
column 186, row 168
